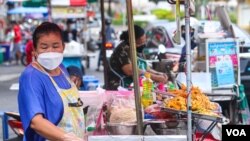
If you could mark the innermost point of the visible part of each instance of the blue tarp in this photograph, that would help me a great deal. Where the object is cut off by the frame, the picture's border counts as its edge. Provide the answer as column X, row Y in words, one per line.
column 28, row 10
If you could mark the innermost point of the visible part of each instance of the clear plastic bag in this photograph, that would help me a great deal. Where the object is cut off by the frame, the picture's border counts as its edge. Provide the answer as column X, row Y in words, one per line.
column 122, row 109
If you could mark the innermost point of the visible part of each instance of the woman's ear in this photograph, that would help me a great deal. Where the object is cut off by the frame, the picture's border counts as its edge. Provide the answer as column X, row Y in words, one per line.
column 35, row 54
column 63, row 45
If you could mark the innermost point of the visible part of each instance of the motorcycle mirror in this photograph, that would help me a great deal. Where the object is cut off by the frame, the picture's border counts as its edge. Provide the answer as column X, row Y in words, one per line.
column 162, row 48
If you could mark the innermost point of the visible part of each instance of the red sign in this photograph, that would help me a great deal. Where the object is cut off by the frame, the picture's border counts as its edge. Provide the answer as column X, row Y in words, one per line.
column 68, row 2
column 78, row 2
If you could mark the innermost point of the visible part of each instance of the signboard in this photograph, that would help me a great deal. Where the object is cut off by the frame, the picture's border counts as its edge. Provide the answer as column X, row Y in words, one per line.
column 222, row 60
column 68, row 12
column 68, row 2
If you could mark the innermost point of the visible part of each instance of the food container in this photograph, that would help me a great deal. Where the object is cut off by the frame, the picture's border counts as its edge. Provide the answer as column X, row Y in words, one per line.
column 121, row 128
column 168, row 127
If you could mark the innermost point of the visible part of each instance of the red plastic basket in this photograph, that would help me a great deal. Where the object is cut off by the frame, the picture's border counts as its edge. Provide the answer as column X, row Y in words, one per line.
column 208, row 137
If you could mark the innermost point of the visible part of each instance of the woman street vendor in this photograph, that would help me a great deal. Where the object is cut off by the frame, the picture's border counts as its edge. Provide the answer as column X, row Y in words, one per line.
column 120, row 64
column 48, row 101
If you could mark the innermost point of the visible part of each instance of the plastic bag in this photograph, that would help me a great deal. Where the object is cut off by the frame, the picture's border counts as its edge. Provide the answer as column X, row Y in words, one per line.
column 93, row 102
column 122, row 108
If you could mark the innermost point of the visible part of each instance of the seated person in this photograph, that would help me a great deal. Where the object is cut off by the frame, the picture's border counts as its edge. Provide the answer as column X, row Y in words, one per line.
column 75, row 75
column 121, row 71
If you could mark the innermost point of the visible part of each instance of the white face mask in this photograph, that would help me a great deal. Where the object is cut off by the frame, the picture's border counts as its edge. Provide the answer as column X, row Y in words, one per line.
column 50, row 60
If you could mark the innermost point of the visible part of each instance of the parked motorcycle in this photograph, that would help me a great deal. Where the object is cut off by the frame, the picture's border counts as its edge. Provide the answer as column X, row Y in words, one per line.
column 109, row 46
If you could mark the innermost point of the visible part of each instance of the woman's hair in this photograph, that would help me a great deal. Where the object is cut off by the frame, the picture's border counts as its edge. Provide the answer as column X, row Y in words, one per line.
column 46, row 28
column 138, row 33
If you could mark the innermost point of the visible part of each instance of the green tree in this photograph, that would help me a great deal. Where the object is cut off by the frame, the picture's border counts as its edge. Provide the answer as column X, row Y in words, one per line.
column 92, row 1
column 34, row 3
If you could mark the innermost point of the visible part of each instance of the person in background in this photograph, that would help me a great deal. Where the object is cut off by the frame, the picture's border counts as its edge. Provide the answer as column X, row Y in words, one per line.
column 192, row 43
column 16, row 52
column 9, row 34
column 110, row 36
column 48, row 102
column 121, row 71
column 75, row 75
column 110, row 31
column 70, row 33
column 29, row 52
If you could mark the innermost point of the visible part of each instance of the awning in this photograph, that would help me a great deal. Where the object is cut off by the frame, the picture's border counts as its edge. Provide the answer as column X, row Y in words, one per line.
column 68, row 2
column 27, row 10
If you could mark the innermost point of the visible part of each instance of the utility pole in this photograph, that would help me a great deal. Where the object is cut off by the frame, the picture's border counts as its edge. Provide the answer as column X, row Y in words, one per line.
column 49, row 11
column 109, row 10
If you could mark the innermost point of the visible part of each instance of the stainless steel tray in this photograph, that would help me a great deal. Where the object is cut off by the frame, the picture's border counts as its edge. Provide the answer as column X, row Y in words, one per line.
column 194, row 115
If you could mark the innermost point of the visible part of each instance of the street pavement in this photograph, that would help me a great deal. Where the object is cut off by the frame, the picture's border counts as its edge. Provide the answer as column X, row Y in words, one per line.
column 9, row 74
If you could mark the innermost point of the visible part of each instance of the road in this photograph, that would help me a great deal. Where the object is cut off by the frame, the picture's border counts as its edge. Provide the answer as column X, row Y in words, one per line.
column 10, row 75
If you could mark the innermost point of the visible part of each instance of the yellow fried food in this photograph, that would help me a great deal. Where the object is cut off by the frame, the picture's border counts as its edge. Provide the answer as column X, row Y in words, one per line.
column 178, row 103
column 200, row 102
column 207, row 112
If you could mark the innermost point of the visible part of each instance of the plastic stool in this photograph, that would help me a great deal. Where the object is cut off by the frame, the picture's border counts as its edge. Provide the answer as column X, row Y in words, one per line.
column 1, row 55
column 4, row 125
column 90, row 82
column 6, row 53
column 92, row 85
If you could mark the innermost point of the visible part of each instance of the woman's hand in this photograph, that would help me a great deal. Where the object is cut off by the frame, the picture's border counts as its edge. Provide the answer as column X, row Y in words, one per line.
column 160, row 77
column 71, row 137
column 166, row 77
column 176, row 66
column 51, row 132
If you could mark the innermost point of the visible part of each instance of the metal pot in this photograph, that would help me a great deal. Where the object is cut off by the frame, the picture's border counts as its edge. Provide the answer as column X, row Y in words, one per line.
column 168, row 128
column 121, row 128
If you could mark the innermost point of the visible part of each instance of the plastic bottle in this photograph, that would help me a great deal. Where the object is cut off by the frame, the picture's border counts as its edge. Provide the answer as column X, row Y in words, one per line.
column 171, row 86
column 147, row 84
column 90, row 128
column 161, row 87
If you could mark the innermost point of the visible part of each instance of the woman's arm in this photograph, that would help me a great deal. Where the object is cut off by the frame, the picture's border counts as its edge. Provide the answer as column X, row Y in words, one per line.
column 153, row 71
column 155, row 76
column 159, row 78
column 46, row 129
column 128, row 70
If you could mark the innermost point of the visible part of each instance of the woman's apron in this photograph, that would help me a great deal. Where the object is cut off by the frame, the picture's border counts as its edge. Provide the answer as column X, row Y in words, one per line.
column 73, row 117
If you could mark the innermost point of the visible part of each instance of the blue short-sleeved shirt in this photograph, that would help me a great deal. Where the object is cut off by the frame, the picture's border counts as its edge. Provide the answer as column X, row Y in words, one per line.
column 37, row 95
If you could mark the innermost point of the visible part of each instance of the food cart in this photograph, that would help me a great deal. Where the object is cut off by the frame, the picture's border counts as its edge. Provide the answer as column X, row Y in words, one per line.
column 180, row 115
column 218, row 54
column 186, row 116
